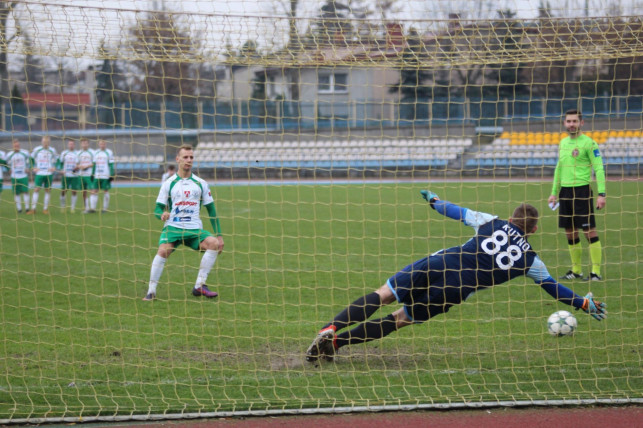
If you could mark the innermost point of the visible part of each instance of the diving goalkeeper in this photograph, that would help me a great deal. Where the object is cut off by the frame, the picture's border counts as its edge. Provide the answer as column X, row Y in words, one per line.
column 497, row 253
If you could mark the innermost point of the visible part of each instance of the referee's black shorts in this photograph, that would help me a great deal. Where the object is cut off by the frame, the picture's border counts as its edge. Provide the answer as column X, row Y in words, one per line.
column 576, row 208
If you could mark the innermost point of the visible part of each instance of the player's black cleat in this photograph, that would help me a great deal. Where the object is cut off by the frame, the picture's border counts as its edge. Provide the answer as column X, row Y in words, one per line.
column 322, row 347
column 593, row 277
column 572, row 275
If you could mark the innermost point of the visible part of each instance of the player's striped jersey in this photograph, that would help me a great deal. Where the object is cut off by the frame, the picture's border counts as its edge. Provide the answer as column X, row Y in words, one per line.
column 85, row 162
column 68, row 162
column 184, row 197
column 44, row 160
column 497, row 253
column 103, row 160
column 18, row 163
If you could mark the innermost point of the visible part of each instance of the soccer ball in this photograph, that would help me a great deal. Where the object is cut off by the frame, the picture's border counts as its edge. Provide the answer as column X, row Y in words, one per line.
column 561, row 323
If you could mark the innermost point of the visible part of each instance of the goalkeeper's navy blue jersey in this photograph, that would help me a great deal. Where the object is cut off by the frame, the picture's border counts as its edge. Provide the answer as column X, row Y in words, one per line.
column 497, row 253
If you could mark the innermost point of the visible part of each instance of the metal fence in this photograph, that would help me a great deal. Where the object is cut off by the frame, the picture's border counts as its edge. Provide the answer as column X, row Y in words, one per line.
column 310, row 115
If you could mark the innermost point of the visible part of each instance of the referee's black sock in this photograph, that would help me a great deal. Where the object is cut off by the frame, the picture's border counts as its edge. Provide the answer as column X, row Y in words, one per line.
column 365, row 332
column 358, row 311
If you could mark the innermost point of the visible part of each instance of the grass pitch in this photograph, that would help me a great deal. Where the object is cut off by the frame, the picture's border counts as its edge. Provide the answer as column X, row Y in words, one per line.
column 77, row 340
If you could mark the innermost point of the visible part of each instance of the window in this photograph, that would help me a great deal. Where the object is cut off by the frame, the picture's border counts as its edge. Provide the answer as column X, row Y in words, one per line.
column 336, row 83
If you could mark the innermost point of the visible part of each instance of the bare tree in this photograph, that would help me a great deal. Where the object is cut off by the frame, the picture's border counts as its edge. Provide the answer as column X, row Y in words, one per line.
column 167, row 54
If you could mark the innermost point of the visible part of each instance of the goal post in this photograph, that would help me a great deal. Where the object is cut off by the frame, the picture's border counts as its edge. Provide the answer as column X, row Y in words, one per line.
column 315, row 126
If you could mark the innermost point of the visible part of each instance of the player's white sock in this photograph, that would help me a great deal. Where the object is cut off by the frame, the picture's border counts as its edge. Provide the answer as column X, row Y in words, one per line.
column 105, row 201
column 18, row 204
column 158, row 264
column 74, row 199
column 63, row 201
column 207, row 261
column 93, row 201
column 25, row 198
column 34, row 200
column 46, row 201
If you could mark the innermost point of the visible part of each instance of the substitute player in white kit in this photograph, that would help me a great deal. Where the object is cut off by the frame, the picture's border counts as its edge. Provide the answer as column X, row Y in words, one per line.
column 19, row 163
column 178, row 205
column 103, row 174
column 45, row 158
column 68, row 165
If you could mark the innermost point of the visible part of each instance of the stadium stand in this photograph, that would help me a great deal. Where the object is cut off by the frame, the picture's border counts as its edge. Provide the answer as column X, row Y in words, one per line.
column 362, row 153
column 510, row 149
column 538, row 149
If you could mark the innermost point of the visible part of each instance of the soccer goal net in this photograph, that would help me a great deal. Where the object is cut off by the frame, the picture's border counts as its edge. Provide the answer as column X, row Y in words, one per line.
column 314, row 126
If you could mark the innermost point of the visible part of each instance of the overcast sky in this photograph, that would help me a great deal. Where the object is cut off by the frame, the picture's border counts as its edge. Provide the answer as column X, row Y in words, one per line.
column 75, row 28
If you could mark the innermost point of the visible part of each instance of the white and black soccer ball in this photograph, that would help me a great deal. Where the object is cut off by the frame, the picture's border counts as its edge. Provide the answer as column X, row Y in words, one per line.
column 561, row 323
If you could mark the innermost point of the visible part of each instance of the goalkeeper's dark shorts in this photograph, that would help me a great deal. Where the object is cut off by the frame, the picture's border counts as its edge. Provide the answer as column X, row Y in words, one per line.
column 576, row 208
column 424, row 291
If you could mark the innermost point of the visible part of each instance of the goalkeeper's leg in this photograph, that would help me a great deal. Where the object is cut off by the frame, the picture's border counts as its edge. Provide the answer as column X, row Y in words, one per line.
column 325, row 344
column 361, row 309
column 373, row 330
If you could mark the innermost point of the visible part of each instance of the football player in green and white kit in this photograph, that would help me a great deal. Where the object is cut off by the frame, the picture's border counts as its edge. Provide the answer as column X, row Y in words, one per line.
column 68, row 164
column 103, row 175
column 19, row 163
column 44, row 159
column 178, row 205
column 85, row 168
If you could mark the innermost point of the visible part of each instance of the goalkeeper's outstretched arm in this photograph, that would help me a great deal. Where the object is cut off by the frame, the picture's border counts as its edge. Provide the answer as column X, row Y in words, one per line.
column 565, row 295
column 445, row 208
column 538, row 272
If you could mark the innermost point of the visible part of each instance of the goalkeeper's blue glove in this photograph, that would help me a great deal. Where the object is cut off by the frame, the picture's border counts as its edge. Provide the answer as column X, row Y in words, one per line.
column 594, row 307
column 429, row 196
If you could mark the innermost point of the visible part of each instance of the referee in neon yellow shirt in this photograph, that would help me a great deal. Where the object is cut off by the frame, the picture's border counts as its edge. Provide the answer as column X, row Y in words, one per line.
column 578, row 154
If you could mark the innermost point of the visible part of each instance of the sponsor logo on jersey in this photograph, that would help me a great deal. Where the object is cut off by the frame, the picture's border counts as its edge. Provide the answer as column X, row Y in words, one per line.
column 187, row 203
column 597, row 153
